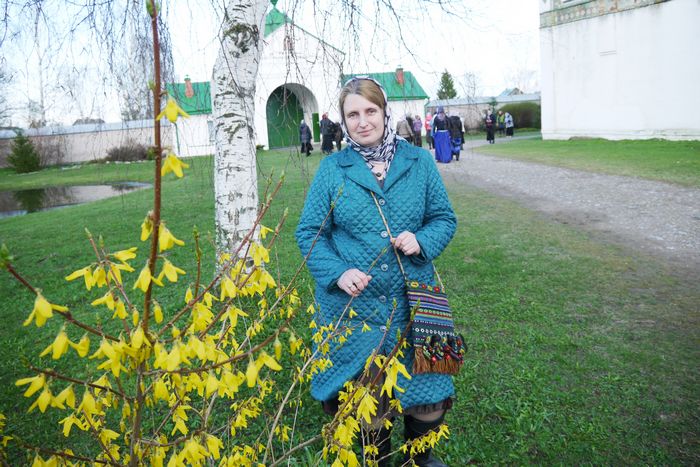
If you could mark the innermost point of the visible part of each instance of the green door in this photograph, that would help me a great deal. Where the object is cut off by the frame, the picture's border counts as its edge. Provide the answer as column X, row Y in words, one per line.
column 284, row 114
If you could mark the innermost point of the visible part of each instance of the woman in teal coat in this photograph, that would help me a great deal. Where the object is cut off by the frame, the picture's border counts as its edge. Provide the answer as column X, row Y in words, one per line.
column 409, row 189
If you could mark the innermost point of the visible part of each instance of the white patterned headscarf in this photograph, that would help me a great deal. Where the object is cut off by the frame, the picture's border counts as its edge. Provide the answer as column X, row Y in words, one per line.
column 385, row 150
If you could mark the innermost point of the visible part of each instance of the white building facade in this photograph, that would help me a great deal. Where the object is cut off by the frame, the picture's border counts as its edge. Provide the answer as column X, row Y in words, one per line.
column 620, row 69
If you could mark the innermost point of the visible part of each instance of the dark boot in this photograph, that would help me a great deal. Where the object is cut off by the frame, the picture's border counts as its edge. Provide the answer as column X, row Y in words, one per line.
column 413, row 429
column 382, row 440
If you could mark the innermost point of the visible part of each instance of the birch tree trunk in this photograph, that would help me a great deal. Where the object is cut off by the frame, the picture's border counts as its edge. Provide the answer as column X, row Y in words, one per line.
column 233, row 94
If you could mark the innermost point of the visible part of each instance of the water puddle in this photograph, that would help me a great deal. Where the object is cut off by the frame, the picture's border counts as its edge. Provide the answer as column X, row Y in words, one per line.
column 17, row 203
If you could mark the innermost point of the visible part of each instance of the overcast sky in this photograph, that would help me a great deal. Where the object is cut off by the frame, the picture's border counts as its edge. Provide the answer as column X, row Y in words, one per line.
column 496, row 41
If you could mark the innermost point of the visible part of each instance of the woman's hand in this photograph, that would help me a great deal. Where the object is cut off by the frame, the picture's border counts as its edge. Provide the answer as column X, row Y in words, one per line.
column 406, row 242
column 353, row 282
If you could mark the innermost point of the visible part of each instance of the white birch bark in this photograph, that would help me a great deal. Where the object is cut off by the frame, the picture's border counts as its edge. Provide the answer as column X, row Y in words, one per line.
column 233, row 94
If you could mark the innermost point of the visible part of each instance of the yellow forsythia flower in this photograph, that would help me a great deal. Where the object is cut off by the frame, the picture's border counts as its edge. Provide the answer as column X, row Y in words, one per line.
column 171, row 111
column 259, row 253
column 367, row 408
column 278, row 348
column 66, row 396
column 146, row 228
column 145, row 278
column 42, row 401
column 173, row 164
column 138, row 338
column 99, row 276
column 264, row 231
column 233, row 313
column 166, row 240
column 58, row 347
column 126, row 255
column 170, row 271
column 160, row 391
column 84, row 273
column 35, row 383
column 157, row 312
column 43, row 310
column 294, row 344
column 82, row 347
column 68, row 423
column 251, row 373
column 268, row 361
column 214, row 445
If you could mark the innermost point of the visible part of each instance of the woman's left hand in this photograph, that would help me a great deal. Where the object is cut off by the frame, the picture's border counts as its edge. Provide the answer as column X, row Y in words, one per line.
column 406, row 242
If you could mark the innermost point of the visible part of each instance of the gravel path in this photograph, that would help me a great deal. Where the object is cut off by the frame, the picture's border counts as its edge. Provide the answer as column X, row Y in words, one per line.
column 653, row 217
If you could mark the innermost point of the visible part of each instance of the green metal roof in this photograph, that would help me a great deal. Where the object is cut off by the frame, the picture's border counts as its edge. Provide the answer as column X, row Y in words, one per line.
column 274, row 20
column 409, row 91
column 199, row 103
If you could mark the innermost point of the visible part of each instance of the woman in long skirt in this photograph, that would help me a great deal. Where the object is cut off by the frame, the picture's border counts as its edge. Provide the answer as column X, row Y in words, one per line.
column 441, row 137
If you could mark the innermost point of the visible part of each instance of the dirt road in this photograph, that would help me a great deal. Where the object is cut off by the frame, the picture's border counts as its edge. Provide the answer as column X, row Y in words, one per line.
column 654, row 217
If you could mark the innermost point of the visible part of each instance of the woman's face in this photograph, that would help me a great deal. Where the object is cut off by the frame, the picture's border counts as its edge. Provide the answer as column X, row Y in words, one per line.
column 364, row 120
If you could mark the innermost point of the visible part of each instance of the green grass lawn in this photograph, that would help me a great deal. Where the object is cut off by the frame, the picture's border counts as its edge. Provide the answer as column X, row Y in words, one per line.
column 87, row 174
column 580, row 352
column 667, row 161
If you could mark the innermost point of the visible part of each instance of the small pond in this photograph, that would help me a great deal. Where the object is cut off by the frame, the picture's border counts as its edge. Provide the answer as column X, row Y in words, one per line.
column 17, row 203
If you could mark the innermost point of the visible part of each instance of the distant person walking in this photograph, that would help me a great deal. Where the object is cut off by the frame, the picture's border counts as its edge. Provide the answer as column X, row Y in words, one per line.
column 501, row 122
column 456, row 134
column 489, row 123
column 429, row 130
column 404, row 130
column 305, row 138
column 441, row 137
column 327, row 135
column 509, row 125
column 417, row 127
column 337, row 135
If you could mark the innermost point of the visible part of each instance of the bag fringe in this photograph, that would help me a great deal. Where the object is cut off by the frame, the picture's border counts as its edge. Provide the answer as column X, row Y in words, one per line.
column 447, row 366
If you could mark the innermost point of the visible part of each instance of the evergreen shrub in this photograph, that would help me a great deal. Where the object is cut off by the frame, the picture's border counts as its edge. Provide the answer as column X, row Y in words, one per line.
column 525, row 114
column 128, row 152
column 24, row 158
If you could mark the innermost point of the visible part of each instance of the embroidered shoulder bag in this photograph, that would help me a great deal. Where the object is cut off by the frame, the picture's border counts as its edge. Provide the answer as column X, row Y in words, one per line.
column 437, row 348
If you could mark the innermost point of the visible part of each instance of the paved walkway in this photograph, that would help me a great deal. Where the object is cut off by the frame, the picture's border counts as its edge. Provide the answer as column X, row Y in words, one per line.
column 655, row 217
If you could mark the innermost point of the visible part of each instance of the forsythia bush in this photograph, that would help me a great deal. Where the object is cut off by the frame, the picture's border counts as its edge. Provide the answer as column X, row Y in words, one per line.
column 197, row 383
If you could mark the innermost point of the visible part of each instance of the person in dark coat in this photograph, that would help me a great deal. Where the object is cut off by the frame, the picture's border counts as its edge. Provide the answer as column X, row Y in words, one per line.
column 305, row 138
column 342, row 234
column 337, row 135
column 327, row 134
column 456, row 134
column 490, row 124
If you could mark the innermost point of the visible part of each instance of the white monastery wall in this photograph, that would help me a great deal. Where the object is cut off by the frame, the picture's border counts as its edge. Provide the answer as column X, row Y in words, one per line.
column 632, row 74
column 88, row 143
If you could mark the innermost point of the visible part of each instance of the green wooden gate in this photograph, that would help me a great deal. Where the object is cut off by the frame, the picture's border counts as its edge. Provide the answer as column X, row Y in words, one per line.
column 284, row 114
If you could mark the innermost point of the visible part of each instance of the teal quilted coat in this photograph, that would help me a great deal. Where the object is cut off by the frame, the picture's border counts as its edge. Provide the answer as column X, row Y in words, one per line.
column 353, row 236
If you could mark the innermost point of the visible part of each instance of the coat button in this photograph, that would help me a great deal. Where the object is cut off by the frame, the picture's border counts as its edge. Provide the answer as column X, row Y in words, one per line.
column 382, row 328
column 384, row 267
column 384, row 234
column 382, row 298
column 382, row 202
